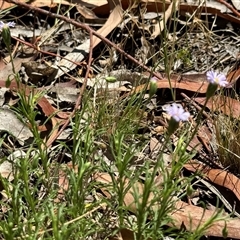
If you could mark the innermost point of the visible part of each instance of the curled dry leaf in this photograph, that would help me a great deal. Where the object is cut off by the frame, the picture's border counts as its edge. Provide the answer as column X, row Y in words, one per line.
column 217, row 176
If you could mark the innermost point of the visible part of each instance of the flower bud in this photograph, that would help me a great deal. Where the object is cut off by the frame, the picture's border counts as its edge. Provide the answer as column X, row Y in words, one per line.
column 152, row 87
column 172, row 126
column 212, row 87
column 6, row 35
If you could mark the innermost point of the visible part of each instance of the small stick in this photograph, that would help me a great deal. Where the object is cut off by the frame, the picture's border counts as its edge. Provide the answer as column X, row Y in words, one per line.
column 43, row 52
column 89, row 30
column 230, row 7
column 195, row 105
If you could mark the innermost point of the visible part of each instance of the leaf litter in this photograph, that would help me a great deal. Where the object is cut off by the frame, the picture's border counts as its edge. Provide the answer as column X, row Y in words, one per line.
column 195, row 54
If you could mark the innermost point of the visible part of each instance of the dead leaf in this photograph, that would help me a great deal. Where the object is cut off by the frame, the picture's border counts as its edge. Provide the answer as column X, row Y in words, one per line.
column 2, row 64
column 224, row 104
column 159, row 6
column 77, row 56
column 194, row 145
column 192, row 217
column 6, row 5
column 114, row 19
column 154, row 144
column 188, row 215
column 67, row 94
column 6, row 170
column 95, row 2
column 159, row 130
column 199, row 87
column 11, row 124
column 234, row 74
column 63, row 180
column 7, row 71
column 217, row 176
column 86, row 12
column 204, row 136
column 236, row 4
column 113, row 3
column 46, row 107
column 3, row 90
column 7, row 166
column 159, row 26
column 50, row 3
column 37, row 71
column 54, row 132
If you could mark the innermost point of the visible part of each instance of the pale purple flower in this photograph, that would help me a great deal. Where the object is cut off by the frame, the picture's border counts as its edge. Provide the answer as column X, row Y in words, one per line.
column 177, row 112
column 217, row 78
column 9, row 24
column 153, row 80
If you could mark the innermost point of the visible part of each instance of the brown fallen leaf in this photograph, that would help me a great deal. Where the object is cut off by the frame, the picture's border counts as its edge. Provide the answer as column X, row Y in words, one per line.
column 205, row 136
column 86, row 12
column 6, row 5
column 200, row 87
column 113, row 3
column 94, row 2
column 112, row 22
column 50, row 3
column 159, row 26
column 56, row 123
column 7, row 70
column 63, row 180
column 44, row 104
column 159, row 6
column 114, row 19
column 49, row 110
column 192, row 217
column 11, row 124
column 189, row 216
column 224, row 104
column 217, row 176
column 234, row 74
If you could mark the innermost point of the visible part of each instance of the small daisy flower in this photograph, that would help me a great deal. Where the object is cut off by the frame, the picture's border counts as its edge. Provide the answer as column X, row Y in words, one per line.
column 217, row 78
column 153, row 80
column 4, row 25
column 5, row 32
column 177, row 112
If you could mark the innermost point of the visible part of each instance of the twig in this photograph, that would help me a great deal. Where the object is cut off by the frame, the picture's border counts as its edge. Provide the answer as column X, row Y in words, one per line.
column 44, row 52
column 195, row 105
column 88, row 29
column 230, row 7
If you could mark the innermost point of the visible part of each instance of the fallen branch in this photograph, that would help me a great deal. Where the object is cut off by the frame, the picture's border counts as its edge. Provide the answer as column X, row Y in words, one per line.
column 89, row 30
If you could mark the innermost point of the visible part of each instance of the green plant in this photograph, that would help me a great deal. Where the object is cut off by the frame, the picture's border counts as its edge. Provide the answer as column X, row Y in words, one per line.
column 39, row 207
